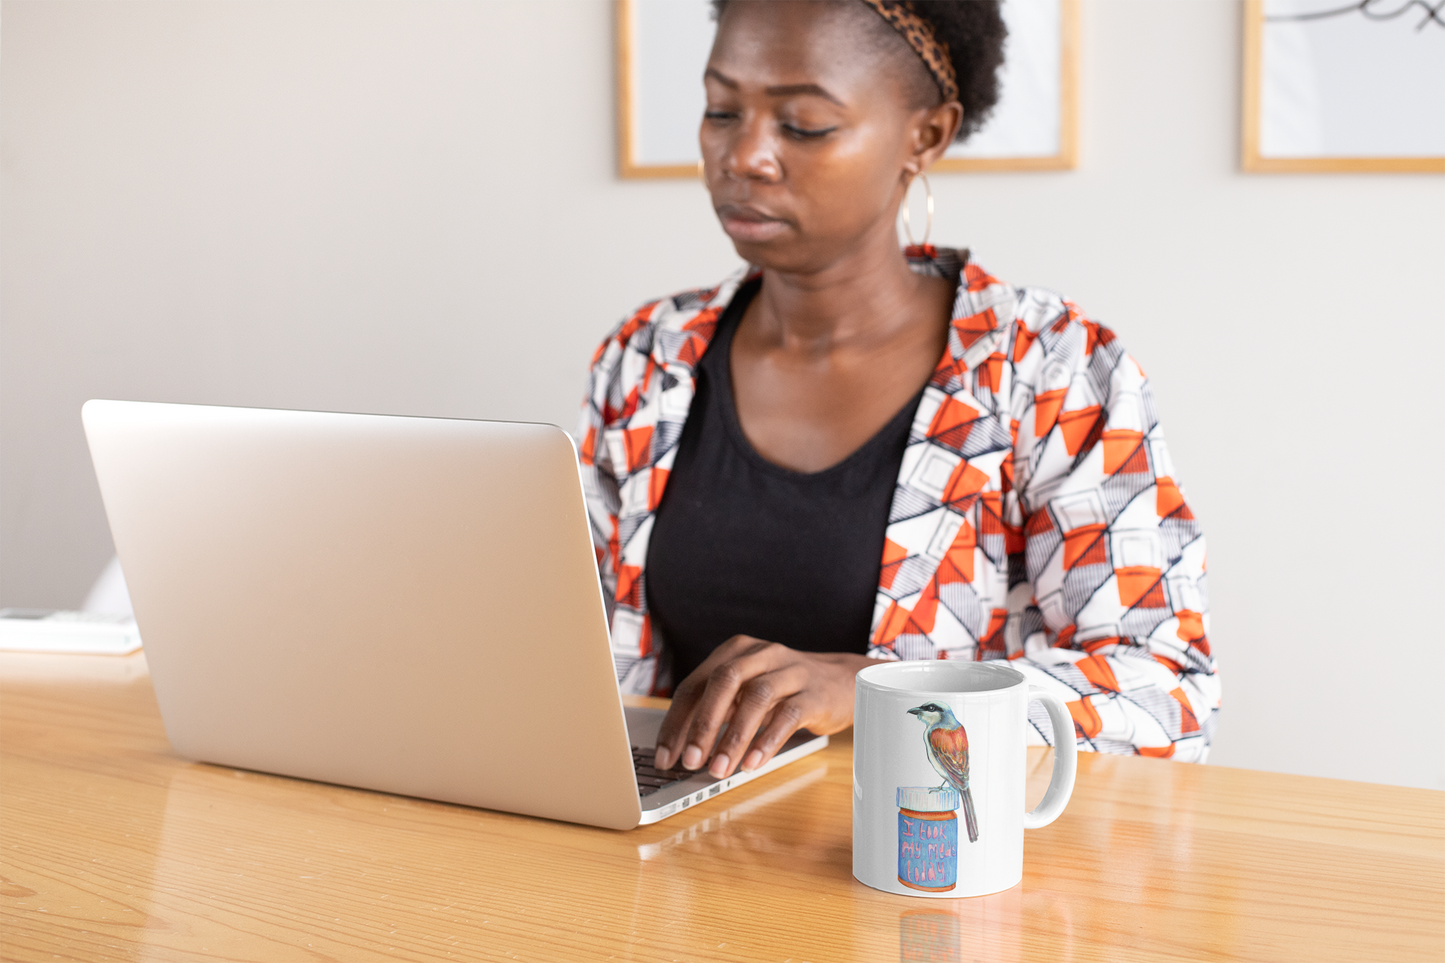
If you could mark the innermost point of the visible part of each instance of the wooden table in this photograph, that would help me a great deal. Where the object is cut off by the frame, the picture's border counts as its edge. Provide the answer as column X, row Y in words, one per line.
column 111, row 847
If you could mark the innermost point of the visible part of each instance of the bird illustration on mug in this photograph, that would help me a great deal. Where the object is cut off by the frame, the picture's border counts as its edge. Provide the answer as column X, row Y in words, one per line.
column 947, row 745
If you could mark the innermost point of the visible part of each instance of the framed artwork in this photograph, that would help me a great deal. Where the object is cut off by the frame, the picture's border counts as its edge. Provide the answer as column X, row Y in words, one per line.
column 663, row 45
column 1344, row 85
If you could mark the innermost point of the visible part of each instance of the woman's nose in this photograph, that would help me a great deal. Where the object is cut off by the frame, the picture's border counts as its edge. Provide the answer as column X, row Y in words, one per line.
column 752, row 152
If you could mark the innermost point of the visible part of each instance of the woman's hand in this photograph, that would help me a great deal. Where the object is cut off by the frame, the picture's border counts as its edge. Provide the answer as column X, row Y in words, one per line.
column 763, row 692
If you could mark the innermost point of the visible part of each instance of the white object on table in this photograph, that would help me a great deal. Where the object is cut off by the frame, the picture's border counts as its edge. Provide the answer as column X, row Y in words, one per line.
column 44, row 630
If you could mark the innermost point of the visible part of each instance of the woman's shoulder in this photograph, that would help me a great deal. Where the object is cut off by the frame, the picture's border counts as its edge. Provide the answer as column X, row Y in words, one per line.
column 1040, row 327
column 1031, row 308
column 671, row 323
column 988, row 305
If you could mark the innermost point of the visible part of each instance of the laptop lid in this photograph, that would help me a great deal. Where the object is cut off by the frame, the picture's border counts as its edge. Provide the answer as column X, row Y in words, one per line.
column 402, row 604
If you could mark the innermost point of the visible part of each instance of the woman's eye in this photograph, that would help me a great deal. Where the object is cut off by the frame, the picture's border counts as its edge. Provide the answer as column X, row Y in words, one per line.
column 716, row 115
column 805, row 133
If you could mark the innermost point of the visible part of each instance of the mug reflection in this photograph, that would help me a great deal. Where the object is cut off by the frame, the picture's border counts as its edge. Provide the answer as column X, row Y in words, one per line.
column 967, row 929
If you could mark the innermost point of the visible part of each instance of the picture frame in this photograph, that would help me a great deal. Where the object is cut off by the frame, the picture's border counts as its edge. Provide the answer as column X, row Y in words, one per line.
column 661, row 46
column 1334, row 86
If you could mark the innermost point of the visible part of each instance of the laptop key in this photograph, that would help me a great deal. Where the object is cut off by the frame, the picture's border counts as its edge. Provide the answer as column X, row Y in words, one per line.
column 649, row 778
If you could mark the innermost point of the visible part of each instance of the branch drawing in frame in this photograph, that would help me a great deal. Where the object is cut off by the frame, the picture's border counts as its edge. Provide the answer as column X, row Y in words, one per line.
column 663, row 45
column 1344, row 85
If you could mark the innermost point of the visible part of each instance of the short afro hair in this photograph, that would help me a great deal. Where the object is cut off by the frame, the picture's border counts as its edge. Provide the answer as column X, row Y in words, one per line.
column 974, row 32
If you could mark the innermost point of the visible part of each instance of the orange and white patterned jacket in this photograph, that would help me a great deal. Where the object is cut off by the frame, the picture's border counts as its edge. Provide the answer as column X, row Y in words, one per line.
column 1037, row 517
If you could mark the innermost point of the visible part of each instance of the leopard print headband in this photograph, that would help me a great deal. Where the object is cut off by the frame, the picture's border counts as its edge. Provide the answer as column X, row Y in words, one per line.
column 919, row 33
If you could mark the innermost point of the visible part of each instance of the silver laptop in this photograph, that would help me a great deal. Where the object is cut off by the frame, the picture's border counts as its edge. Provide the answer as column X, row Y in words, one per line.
column 403, row 604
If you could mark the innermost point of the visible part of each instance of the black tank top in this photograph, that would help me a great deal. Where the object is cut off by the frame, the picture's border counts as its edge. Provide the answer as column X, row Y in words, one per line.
column 743, row 546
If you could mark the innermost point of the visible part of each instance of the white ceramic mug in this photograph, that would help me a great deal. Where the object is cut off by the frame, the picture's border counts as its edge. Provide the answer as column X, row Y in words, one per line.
column 939, row 767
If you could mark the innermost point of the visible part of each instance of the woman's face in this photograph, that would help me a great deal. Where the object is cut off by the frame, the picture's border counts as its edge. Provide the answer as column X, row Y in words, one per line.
column 813, row 129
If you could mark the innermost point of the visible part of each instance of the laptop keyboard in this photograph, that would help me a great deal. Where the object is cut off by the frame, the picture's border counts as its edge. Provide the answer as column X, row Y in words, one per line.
column 649, row 778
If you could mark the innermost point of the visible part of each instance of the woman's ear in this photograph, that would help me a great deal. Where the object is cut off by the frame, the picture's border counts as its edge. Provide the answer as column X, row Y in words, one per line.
column 933, row 130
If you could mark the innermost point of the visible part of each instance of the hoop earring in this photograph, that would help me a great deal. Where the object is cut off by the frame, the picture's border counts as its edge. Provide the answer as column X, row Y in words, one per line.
column 907, row 225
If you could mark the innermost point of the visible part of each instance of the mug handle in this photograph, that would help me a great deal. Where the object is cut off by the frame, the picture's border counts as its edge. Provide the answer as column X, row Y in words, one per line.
column 1066, row 752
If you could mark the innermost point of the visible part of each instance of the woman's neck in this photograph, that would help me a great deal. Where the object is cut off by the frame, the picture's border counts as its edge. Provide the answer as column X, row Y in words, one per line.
column 855, row 301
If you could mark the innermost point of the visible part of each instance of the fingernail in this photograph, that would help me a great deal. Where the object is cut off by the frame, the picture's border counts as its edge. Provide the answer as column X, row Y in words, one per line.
column 691, row 757
column 719, row 766
column 752, row 760
column 662, row 757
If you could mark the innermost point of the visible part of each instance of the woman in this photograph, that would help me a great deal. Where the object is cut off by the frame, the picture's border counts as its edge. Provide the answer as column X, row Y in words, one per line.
column 847, row 452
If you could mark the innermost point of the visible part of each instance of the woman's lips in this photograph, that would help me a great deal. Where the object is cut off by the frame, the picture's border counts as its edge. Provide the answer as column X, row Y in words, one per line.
column 749, row 224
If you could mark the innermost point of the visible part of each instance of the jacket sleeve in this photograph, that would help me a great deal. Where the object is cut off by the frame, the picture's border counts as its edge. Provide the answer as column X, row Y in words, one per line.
column 609, row 461
column 1107, row 598
column 600, row 482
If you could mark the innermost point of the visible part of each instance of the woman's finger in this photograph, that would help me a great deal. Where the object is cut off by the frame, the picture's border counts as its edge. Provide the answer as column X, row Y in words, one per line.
column 672, row 734
column 675, row 722
column 723, row 684
column 788, row 717
column 753, row 706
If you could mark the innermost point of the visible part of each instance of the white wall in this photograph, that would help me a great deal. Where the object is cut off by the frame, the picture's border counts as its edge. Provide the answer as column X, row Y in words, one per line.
column 411, row 207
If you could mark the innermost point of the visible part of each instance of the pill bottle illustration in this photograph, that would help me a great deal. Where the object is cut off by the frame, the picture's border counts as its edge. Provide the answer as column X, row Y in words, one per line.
column 928, row 838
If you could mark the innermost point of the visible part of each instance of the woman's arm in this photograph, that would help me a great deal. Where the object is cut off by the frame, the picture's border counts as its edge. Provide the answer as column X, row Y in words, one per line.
column 599, row 481
column 611, row 397
column 1108, row 602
